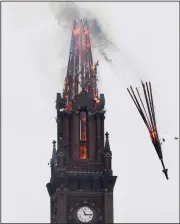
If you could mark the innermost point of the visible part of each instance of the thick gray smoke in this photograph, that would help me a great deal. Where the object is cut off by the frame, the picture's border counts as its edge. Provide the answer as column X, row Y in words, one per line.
column 66, row 12
column 100, row 38
column 117, row 58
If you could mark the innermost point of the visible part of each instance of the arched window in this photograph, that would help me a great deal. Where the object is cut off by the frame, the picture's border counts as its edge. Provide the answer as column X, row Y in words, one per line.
column 83, row 135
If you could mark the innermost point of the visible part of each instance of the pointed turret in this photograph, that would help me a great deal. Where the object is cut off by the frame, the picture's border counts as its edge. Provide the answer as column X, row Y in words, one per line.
column 53, row 159
column 107, row 146
column 107, row 156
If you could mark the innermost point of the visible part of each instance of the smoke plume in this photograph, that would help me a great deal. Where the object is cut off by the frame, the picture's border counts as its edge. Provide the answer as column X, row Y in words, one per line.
column 118, row 58
column 66, row 12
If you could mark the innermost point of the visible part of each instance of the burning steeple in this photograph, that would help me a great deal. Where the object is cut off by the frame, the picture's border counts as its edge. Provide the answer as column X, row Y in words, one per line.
column 80, row 97
column 83, row 162
column 81, row 80
column 81, row 72
column 148, row 116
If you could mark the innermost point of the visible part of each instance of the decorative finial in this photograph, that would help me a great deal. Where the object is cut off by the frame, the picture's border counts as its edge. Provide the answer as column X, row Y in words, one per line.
column 107, row 135
column 54, row 143
column 107, row 146
column 53, row 159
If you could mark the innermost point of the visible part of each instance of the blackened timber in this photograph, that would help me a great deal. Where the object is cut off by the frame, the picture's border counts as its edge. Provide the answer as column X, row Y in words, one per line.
column 151, row 120
column 134, row 100
column 138, row 106
column 148, row 121
column 146, row 98
column 140, row 110
column 153, row 112
column 150, row 106
column 157, row 147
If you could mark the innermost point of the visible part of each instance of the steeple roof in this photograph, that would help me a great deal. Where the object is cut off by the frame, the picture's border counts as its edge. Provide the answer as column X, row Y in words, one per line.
column 81, row 72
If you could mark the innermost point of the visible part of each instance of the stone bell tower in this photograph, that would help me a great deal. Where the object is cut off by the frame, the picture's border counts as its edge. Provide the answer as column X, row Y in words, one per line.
column 82, row 181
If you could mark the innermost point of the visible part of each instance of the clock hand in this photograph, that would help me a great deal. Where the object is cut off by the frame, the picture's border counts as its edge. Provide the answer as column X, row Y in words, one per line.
column 84, row 212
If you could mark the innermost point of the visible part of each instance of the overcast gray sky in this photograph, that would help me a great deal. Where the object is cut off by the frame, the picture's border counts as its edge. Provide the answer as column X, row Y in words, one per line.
column 34, row 52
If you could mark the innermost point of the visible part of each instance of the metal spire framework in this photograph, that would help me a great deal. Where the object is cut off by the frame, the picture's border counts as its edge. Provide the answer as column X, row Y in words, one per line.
column 148, row 116
column 81, row 72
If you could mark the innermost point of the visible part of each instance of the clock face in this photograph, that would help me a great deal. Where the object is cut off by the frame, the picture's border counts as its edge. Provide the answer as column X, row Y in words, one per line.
column 85, row 214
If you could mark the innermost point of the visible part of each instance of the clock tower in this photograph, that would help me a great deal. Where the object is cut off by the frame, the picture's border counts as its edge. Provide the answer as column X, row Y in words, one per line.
column 82, row 181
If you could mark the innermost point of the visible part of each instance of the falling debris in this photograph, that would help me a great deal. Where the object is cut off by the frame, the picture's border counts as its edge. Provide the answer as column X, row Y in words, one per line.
column 148, row 117
column 176, row 138
column 163, row 140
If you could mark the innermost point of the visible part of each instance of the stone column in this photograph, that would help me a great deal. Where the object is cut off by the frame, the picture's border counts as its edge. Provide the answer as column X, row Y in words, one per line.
column 92, row 137
column 102, row 131
column 61, row 216
column 66, row 132
column 98, row 135
column 108, row 207
column 59, row 127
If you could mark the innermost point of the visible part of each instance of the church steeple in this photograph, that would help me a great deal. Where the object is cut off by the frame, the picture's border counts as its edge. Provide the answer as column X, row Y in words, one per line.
column 81, row 71
column 82, row 175
column 81, row 107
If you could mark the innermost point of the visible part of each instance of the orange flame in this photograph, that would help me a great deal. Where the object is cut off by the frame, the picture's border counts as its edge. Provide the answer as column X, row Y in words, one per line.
column 76, row 31
column 69, row 106
column 153, row 134
column 83, row 152
column 88, row 45
column 93, row 68
column 85, row 30
column 83, row 120
column 96, row 99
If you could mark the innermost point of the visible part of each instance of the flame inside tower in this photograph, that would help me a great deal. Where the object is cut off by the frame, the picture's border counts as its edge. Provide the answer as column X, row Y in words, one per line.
column 81, row 75
column 83, row 142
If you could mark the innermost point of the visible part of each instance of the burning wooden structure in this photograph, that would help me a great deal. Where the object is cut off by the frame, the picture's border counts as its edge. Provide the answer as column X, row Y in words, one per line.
column 148, row 115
